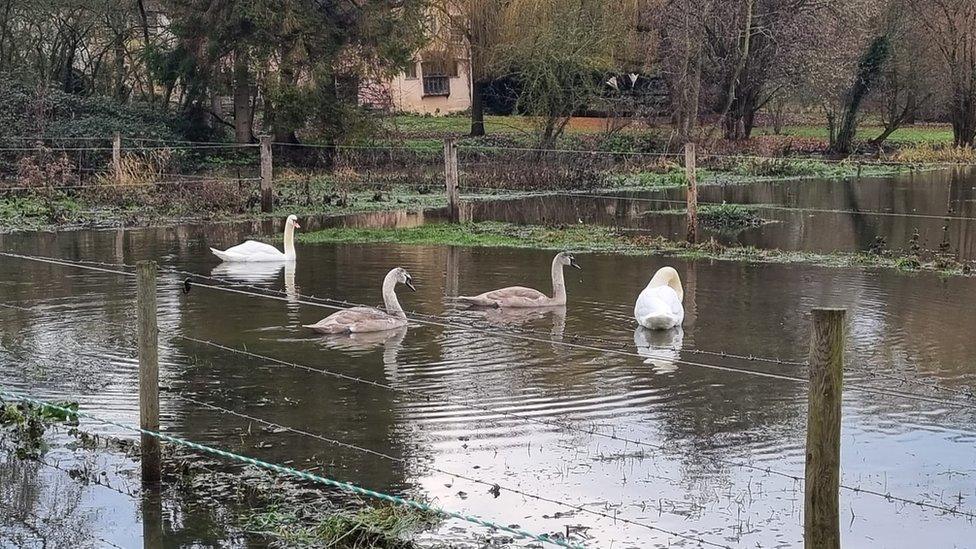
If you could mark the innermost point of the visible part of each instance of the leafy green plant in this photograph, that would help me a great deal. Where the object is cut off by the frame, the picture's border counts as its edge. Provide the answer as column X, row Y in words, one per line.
column 27, row 423
column 727, row 217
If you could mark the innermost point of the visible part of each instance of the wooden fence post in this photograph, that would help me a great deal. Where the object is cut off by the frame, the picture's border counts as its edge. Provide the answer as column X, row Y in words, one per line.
column 821, row 510
column 691, row 175
column 267, row 169
column 117, row 155
column 148, row 369
column 451, row 178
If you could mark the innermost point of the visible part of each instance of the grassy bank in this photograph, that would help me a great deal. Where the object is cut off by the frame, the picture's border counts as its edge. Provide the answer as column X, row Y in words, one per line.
column 64, row 211
column 591, row 238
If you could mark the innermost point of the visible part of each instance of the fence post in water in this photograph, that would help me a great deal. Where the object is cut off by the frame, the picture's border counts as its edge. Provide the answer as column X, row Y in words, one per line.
column 451, row 178
column 117, row 155
column 148, row 369
column 691, row 176
column 267, row 169
column 821, row 510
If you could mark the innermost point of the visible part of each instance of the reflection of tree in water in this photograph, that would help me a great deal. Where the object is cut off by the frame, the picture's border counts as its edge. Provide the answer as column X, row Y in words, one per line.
column 42, row 512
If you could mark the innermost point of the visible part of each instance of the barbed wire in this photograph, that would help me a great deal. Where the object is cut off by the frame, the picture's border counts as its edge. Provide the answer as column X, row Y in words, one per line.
column 570, row 428
column 125, row 149
column 933, row 386
column 466, row 147
column 341, row 305
column 430, row 468
column 186, row 183
column 303, row 475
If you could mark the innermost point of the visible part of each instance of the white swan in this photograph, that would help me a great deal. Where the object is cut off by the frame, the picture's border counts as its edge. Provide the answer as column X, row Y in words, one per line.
column 659, row 305
column 367, row 319
column 259, row 251
column 520, row 296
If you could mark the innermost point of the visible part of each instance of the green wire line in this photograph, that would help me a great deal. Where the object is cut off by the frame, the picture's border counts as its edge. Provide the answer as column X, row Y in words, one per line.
column 345, row 486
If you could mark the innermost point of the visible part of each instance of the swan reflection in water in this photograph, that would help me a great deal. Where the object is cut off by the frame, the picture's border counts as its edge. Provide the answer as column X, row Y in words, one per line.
column 518, row 316
column 661, row 348
column 389, row 340
column 260, row 273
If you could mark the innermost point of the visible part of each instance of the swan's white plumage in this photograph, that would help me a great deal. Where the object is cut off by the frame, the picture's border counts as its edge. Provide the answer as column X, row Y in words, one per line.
column 257, row 252
column 251, row 251
column 659, row 306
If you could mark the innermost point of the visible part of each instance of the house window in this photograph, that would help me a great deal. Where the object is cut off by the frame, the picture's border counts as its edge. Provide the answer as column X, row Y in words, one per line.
column 457, row 36
column 411, row 72
column 437, row 76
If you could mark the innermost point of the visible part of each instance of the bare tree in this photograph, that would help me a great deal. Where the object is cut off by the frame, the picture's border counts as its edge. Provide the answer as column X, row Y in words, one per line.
column 558, row 50
column 951, row 26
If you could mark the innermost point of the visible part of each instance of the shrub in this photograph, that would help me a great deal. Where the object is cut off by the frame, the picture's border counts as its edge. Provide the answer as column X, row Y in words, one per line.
column 727, row 217
column 60, row 115
column 929, row 153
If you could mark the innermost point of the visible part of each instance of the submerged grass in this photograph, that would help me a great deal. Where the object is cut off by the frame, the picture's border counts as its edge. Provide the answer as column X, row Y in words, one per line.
column 387, row 526
column 269, row 509
column 729, row 218
column 592, row 238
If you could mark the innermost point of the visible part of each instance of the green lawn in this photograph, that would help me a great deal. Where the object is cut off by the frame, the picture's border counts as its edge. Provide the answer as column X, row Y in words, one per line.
column 928, row 133
column 458, row 123
column 507, row 125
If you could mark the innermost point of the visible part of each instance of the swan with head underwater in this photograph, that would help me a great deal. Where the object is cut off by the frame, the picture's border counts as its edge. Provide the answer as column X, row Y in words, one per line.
column 520, row 296
column 368, row 319
column 659, row 305
column 254, row 251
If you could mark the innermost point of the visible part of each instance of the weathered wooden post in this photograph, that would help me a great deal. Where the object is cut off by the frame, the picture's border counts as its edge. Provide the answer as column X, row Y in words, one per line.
column 148, row 369
column 152, row 518
column 267, row 169
column 451, row 178
column 117, row 155
column 821, row 510
column 691, row 175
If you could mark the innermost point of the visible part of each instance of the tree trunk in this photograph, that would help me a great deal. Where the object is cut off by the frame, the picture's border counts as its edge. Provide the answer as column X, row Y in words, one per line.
column 146, row 48
column 963, row 115
column 478, row 108
column 120, row 68
column 740, row 65
column 242, row 100
column 868, row 72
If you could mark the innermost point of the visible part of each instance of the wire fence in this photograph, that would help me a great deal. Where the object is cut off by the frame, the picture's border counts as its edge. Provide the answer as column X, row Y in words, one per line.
column 584, row 344
column 178, row 175
column 296, row 473
column 952, row 510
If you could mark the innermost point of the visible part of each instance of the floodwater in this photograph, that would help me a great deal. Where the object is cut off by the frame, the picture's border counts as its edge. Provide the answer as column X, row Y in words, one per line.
column 537, row 412
column 815, row 215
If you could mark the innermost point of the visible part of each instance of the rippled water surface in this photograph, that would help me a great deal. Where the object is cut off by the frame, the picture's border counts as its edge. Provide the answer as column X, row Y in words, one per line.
column 660, row 433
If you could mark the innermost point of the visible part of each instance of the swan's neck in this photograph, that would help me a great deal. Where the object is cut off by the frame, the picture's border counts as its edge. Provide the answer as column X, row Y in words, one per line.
column 289, row 240
column 558, row 283
column 390, row 298
column 668, row 277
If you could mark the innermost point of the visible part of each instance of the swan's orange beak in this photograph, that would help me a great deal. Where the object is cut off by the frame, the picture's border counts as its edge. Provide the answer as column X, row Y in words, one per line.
column 297, row 226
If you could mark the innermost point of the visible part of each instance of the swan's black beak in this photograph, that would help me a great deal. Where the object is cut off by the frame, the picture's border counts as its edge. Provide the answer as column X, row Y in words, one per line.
column 573, row 263
column 409, row 284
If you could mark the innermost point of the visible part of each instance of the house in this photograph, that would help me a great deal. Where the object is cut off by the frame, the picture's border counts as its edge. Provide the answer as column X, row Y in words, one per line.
column 433, row 85
column 437, row 81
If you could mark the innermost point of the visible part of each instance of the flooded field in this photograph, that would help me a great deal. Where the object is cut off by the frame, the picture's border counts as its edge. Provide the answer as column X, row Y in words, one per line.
column 661, row 439
column 816, row 215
